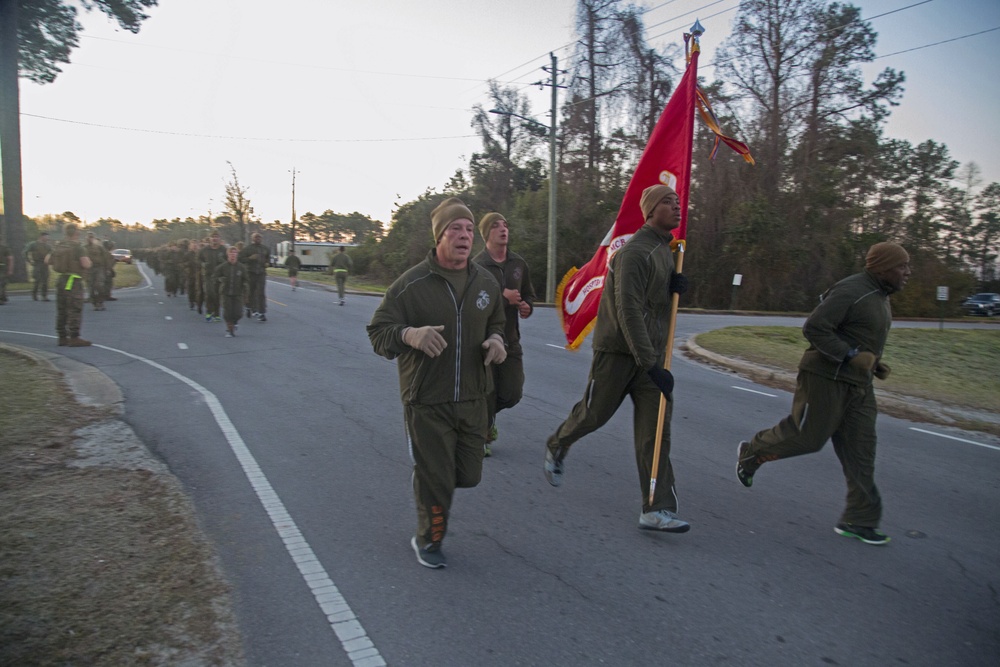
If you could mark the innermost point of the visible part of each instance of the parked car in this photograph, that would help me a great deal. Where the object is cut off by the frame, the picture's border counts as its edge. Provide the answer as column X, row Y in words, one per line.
column 122, row 255
column 985, row 303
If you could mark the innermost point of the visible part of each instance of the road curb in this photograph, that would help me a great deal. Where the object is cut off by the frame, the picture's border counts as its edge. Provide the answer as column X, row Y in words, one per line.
column 897, row 405
column 90, row 386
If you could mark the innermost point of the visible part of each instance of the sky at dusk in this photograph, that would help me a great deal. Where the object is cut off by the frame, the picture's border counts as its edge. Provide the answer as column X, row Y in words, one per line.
column 371, row 103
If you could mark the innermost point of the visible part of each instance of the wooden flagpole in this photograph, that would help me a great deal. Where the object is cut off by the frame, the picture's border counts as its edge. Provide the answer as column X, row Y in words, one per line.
column 671, row 330
column 696, row 32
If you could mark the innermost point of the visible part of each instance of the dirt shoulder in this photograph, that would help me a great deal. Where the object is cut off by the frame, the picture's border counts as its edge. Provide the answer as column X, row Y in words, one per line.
column 904, row 407
column 102, row 561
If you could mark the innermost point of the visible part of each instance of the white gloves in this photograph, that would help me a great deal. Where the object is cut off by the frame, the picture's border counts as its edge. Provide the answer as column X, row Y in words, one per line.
column 496, row 351
column 426, row 339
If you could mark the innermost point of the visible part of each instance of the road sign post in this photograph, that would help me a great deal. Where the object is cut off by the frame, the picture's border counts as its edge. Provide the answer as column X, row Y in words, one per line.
column 942, row 297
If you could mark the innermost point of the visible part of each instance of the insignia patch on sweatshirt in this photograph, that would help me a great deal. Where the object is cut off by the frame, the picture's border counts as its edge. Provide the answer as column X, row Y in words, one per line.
column 483, row 302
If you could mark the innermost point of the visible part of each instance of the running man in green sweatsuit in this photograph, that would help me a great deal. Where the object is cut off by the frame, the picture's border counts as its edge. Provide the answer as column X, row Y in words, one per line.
column 442, row 320
column 834, row 397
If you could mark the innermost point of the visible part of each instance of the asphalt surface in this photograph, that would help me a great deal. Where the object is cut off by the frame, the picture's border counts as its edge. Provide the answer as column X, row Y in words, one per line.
column 289, row 439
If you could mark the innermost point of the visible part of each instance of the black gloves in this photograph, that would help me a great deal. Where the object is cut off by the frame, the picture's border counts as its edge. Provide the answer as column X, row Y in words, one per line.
column 678, row 283
column 663, row 379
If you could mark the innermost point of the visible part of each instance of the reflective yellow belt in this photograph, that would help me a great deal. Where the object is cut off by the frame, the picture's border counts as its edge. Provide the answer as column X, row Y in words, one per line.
column 340, row 270
column 72, row 277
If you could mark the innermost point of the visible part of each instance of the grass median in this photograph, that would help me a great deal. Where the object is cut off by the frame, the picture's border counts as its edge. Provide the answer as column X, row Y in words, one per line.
column 126, row 275
column 959, row 367
column 355, row 283
column 99, row 564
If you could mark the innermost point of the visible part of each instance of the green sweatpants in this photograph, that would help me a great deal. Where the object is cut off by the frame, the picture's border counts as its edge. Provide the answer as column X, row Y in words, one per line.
column 341, row 276
column 446, row 445
column 612, row 378
column 40, row 274
column 508, row 382
column 824, row 409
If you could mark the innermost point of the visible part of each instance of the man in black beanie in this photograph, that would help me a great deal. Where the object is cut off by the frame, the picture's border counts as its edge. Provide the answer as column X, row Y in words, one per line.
column 834, row 398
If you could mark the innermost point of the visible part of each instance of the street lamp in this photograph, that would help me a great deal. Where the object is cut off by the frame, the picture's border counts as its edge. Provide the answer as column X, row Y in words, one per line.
column 550, row 275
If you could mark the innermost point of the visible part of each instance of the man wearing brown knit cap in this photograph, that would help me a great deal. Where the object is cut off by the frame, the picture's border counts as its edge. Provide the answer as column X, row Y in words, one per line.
column 442, row 320
column 834, row 398
column 630, row 340
column 511, row 271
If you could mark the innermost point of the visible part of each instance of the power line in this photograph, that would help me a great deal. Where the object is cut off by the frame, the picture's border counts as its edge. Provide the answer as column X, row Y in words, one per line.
column 857, row 20
column 212, row 136
column 289, row 64
column 944, row 41
column 479, row 81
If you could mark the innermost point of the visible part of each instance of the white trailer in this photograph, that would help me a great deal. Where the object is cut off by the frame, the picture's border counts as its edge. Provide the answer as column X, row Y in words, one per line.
column 315, row 255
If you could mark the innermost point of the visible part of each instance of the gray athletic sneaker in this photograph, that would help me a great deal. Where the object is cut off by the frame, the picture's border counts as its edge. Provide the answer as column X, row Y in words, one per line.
column 554, row 466
column 430, row 556
column 663, row 520
column 746, row 464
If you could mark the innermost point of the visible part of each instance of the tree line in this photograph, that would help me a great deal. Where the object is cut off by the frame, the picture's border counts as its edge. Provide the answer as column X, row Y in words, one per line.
column 827, row 184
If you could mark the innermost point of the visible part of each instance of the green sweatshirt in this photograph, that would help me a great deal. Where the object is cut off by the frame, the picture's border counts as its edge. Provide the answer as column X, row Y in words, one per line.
column 423, row 296
column 256, row 256
column 211, row 258
column 853, row 313
column 634, row 314
column 512, row 274
column 232, row 280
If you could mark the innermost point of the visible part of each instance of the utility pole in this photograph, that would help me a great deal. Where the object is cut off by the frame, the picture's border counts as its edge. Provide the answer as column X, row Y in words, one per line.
column 293, row 210
column 550, row 276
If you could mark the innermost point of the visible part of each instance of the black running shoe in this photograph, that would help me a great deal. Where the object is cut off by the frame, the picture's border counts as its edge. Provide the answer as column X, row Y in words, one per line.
column 864, row 533
column 746, row 464
column 430, row 556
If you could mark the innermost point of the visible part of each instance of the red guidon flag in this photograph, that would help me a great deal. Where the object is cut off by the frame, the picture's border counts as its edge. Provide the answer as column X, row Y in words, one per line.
column 666, row 160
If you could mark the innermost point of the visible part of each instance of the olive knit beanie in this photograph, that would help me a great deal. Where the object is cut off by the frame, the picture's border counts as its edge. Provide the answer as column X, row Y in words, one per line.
column 884, row 256
column 487, row 222
column 448, row 211
column 652, row 196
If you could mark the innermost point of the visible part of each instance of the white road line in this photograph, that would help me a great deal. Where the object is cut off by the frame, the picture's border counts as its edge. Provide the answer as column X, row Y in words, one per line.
column 951, row 437
column 754, row 391
column 183, row 346
column 142, row 272
column 353, row 637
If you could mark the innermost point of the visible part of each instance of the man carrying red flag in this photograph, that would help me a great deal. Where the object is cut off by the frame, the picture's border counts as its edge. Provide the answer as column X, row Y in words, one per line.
column 630, row 339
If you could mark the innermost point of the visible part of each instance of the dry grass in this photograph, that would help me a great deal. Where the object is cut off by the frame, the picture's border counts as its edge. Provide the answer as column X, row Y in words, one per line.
column 98, row 566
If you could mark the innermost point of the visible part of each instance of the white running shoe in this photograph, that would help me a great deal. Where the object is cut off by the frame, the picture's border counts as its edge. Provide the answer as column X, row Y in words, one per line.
column 663, row 520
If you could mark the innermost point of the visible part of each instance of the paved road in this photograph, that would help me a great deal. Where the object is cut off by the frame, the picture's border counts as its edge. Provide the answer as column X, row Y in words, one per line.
column 290, row 440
